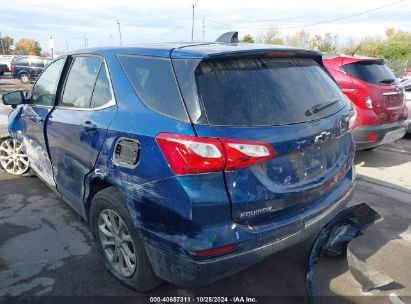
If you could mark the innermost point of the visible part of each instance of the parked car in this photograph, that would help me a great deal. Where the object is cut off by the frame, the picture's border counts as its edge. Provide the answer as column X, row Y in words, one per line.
column 377, row 96
column 408, row 102
column 190, row 161
column 12, row 159
column 27, row 68
column 6, row 59
column 3, row 69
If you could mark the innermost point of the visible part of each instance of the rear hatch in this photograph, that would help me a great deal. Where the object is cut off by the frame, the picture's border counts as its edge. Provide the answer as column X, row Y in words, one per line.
column 373, row 79
column 272, row 99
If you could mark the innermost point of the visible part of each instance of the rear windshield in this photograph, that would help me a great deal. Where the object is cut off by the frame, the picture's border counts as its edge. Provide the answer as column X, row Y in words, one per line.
column 371, row 72
column 266, row 91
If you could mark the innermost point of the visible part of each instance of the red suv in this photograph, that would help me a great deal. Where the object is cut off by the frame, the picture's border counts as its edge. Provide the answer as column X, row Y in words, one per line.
column 382, row 115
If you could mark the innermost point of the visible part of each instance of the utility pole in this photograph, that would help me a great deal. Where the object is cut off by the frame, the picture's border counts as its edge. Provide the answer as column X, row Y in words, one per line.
column 111, row 38
column 119, row 32
column 203, row 29
column 1, row 41
column 192, row 24
column 51, row 46
column 66, row 45
column 85, row 41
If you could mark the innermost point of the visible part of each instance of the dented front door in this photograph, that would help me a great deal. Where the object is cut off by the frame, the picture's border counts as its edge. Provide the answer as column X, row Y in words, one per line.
column 30, row 127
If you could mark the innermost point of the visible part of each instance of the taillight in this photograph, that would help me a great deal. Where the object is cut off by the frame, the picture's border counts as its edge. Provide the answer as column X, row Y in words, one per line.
column 12, row 68
column 359, row 98
column 352, row 120
column 192, row 154
column 244, row 153
column 188, row 154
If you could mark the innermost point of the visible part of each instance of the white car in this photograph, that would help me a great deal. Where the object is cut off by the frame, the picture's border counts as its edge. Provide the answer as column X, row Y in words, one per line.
column 6, row 59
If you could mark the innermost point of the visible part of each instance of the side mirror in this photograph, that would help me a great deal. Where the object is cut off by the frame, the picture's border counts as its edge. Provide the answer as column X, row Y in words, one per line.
column 13, row 98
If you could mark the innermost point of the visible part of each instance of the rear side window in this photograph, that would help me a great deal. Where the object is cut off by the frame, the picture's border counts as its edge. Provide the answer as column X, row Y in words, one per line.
column 266, row 91
column 153, row 80
column 102, row 91
column 22, row 61
column 80, row 82
column 371, row 72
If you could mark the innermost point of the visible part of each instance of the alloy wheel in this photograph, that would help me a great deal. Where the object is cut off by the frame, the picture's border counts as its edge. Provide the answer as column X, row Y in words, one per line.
column 12, row 159
column 25, row 78
column 117, row 243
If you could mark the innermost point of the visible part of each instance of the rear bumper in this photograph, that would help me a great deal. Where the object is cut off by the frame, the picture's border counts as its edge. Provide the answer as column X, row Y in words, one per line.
column 184, row 271
column 386, row 133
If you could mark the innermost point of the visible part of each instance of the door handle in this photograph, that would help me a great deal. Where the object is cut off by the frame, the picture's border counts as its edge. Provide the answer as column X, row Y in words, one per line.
column 88, row 126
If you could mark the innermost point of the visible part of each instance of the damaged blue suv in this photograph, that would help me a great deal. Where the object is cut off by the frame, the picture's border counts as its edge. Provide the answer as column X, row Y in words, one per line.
column 190, row 161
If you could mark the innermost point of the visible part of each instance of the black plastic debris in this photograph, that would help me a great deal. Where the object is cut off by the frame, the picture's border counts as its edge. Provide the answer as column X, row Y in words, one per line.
column 334, row 238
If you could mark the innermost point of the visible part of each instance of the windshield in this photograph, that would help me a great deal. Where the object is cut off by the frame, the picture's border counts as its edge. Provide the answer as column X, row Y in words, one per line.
column 266, row 91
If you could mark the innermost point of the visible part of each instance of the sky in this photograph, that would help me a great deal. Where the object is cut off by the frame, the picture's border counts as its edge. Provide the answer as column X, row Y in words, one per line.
column 142, row 21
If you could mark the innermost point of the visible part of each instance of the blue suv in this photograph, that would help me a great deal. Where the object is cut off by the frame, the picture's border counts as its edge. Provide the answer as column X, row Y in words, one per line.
column 190, row 161
column 27, row 68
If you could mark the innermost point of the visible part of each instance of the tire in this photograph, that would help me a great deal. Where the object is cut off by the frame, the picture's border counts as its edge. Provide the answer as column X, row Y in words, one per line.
column 1, row 73
column 24, row 78
column 109, row 204
column 12, row 159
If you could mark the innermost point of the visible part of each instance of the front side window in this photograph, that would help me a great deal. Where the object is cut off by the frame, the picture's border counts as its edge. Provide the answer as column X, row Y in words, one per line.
column 80, row 82
column 44, row 91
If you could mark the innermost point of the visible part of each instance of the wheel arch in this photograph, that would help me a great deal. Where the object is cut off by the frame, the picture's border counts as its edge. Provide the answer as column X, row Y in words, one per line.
column 94, row 185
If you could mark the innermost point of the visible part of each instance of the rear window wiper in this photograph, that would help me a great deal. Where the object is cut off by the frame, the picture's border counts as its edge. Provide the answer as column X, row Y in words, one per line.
column 388, row 81
column 321, row 106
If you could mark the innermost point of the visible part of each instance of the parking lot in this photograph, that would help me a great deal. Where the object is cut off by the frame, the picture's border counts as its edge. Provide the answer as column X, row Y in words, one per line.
column 45, row 249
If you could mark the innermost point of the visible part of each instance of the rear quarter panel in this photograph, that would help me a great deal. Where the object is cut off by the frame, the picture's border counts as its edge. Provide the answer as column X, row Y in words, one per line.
column 170, row 211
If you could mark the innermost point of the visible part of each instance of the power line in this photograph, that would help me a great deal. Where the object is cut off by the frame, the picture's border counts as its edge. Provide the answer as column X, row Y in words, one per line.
column 284, row 19
column 315, row 23
column 346, row 17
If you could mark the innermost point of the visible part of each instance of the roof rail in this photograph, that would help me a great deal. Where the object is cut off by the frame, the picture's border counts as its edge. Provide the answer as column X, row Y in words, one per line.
column 228, row 37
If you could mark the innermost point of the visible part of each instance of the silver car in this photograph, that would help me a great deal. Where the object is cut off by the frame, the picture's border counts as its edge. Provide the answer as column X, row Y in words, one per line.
column 12, row 159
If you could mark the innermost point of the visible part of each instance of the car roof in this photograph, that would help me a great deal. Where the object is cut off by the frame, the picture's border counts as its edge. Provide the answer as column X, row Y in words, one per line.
column 350, row 58
column 192, row 50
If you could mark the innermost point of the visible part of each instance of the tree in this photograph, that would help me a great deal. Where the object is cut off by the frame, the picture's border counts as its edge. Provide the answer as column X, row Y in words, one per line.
column 326, row 44
column 273, row 36
column 397, row 45
column 248, row 39
column 299, row 39
column 6, row 43
column 27, row 47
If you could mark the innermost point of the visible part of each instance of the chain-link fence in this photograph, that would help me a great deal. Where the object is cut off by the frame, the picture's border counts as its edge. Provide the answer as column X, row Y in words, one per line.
column 398, row 66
